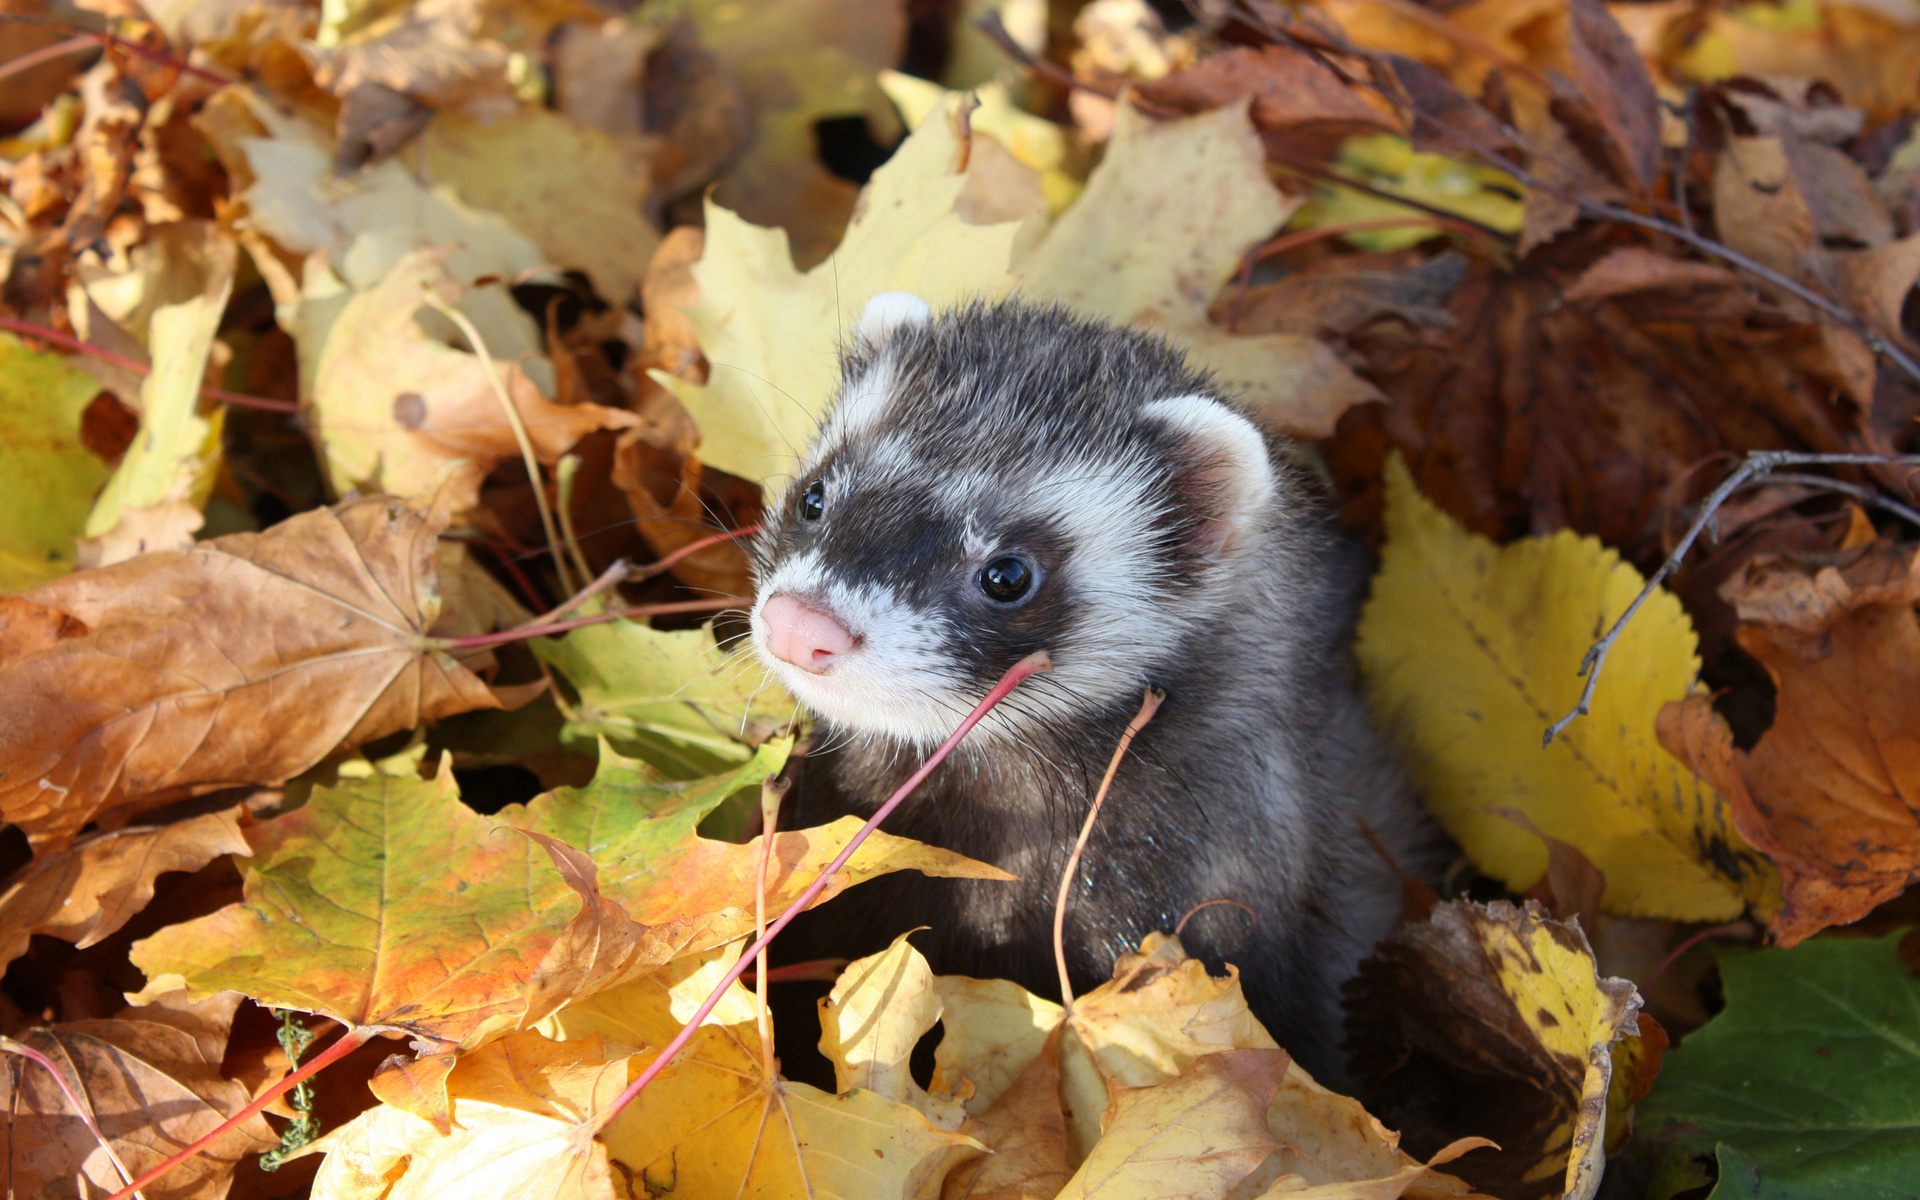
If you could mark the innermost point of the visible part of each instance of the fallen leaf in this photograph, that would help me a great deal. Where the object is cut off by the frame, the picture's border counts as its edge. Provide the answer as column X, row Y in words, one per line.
column 89, row 890
column 152, row 1078
column 640, row 827
column 1827, row 793
column 243, row 660
column 383, row 902
column 1196, row 1135
column 763, row 325
column 396, row 410
column 1023, row 1126
column 675, row 698
column 1295, row 94
column 1159, row 1012
column 1210, row 169
column 47, row 475
column 1331, row 1148
column 1491, row 1021
column 797, row 62
column 713, row 1123
column 361, row 228
column 1804, row 1084
column 1506, row 626
column 565, row 185
column 878, row 1010
column 518, row 1105
column 169, row 467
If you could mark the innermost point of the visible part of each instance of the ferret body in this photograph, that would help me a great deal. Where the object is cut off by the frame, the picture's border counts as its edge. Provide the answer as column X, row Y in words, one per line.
column 1001, row 479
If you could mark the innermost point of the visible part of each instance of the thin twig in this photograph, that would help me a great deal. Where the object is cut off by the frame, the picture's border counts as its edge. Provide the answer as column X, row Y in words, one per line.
column 33, row 58
column 526, row 633
column 349, row 1041
column 514, row 421
column 1739, row 929
column 607, row 580
column 80, row 1108
column 673, row 560
column 1759, row 463
column 44, row 334
column 1016, row 674
column 126, row 44
column 564, row 473
column 1859, row 491
column 1149, row 704
column 772, row 791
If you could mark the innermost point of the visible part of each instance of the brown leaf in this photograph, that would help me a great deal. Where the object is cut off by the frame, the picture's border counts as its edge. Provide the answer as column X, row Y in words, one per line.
column 243, row 660
column 26, row 627
column 88, row 891
column 1616, row 90
column 152, row 1076
column 1530, row 415
column 1831, row 792
column 1684, row 290
column 1491, row 1021
column 1293, row 93
column 1027, row 1133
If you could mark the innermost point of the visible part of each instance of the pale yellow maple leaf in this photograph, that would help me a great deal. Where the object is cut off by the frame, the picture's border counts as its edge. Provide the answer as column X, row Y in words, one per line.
column 1471, row 649
column 1163, row 224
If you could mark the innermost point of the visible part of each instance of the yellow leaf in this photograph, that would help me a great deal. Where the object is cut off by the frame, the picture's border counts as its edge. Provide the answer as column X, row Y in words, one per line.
column 47, row 478
column 395, row 410
column 1389, row 162
column 713, row 1124
column 1471, row 649
column 769, row 331
column 879, row 1009
column 1193, row 1137
column 564, row 184
column 169, row 470
column 517, row 1106
column 1163, row 224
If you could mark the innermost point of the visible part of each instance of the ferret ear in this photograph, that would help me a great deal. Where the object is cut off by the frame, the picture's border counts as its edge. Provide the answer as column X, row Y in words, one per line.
column 1227, row 474
column 886, row 315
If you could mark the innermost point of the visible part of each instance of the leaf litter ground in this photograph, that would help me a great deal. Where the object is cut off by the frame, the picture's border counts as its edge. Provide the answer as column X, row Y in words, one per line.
column 551, row 287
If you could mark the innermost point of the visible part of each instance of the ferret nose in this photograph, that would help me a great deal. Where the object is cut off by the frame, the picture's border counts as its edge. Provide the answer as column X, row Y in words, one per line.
column 803, row 635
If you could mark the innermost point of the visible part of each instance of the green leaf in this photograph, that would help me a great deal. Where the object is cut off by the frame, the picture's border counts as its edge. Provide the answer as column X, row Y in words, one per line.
column 1808, row 1085
column 675, row 699
column 47, row 478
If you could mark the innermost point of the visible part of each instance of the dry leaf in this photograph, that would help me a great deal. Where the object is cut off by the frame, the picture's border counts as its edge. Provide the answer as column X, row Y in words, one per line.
column 92, row 888
column 1828, row 793
column 1491, row 1021
column 243, row 660
column 152, row 1076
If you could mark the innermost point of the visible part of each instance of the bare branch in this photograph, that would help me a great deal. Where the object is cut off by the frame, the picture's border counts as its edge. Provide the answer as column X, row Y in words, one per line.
column 1759, row 464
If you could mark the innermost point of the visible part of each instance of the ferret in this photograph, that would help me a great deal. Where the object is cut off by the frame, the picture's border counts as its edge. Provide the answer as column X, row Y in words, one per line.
column 1003, row 478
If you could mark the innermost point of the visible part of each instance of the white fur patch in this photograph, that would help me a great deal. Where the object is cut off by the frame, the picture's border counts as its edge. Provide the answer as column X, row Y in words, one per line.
column 862, row 408
column 887, row 314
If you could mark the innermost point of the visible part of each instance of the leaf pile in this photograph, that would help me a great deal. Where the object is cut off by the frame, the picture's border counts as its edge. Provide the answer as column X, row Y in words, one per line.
column 382, row 385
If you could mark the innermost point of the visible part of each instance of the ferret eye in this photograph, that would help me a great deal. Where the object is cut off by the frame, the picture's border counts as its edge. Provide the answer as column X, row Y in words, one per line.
column 1006, row 579
column 813, row 501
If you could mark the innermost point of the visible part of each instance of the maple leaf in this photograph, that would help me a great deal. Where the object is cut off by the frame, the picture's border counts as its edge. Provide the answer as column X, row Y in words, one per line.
column 388, row 903
column 242, row 660
column 1828, row 792
column 1505, row 627
column 396, row 410
column 152, row 1078
column 1503, row 1005
column 87, row 891
column 761, row 323
column 672, row 696
column 713, row 1123
column 519, row 1105
column 47, row 477
column 640, row 827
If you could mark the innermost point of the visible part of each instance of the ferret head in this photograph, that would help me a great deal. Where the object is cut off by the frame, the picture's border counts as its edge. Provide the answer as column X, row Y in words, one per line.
column 993, row 481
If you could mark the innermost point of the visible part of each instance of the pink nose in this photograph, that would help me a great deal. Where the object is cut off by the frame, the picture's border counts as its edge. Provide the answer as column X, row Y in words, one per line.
column 803, row 636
